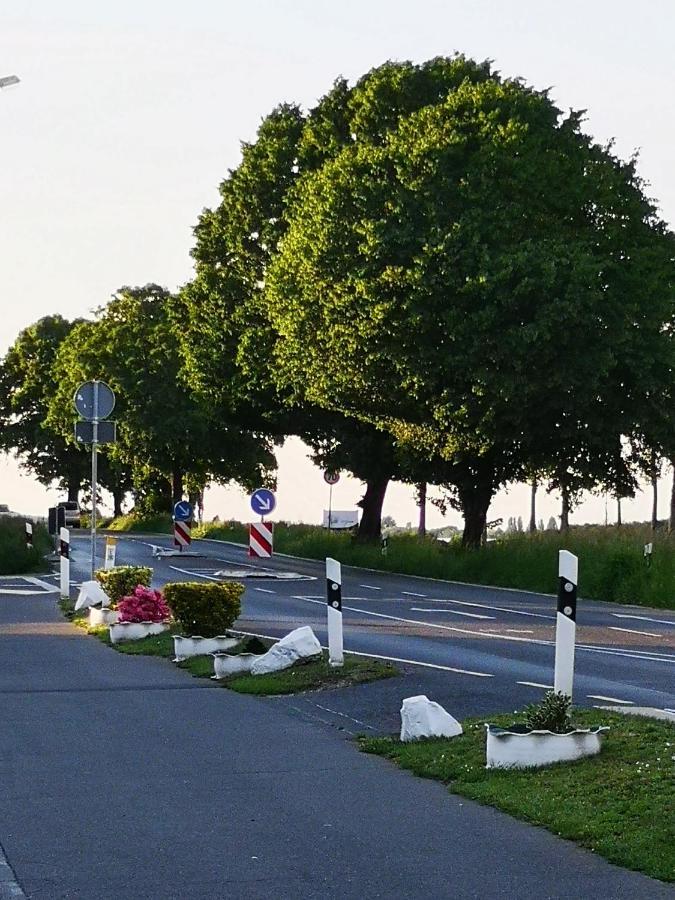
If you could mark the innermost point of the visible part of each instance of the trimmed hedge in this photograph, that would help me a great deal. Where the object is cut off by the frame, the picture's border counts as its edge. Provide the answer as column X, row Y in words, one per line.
column 120, row 581
column 202, row 609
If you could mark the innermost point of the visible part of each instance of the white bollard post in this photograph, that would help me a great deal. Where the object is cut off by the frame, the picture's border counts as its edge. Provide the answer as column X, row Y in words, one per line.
column 64, row 551
column 566, row 622
column 334, row 611
column 110, row 551
column 29, row 535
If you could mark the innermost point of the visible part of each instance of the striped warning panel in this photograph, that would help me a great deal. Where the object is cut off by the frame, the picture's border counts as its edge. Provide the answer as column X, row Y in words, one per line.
column 182, row 534
column 260, row 539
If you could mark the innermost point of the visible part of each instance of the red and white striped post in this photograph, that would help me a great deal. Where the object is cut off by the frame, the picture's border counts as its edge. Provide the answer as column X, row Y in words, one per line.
column 64, row 553
column 182, row 534
column 261, row 539
column 29, row 535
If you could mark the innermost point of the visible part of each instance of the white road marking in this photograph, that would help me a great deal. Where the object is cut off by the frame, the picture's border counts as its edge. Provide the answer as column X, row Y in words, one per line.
column 264, row 591
column 548, row 687
column 454, row 612
column 610, row 699
column 370, row 587
column 46, row 587
column 410, row 662
column 412, row 594
column 336, row 712
column 632, row 631
column 516, row 612
column 520, row 630
column 197, row 574
column 644, row 619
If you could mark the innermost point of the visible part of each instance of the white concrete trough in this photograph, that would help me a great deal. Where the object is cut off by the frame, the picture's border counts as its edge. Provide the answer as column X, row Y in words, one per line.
column 301, row 643
column 227, row 664
column 100, row 615
column 91, row 594
column 135, row 631
column 516, row 748
column 424, row 718
column 185, row 647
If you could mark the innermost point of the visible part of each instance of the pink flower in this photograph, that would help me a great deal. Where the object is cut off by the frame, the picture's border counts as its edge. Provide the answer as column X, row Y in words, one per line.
column 143, row 605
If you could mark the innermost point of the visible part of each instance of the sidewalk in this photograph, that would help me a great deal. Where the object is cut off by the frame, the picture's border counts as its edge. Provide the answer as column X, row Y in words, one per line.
column 122, row 777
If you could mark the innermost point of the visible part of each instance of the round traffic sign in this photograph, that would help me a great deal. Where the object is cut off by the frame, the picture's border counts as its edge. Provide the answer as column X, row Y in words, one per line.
column 263, row 502
column 94, row 400
column 182, row 511
column 331, row 477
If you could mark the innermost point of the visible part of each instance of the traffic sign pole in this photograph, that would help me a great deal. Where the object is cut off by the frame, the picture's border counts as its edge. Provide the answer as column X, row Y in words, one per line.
column 334, row 612
column 94, row 479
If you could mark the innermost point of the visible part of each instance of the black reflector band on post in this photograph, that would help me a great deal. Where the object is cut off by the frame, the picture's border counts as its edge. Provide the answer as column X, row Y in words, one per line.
column 567, row 598
column 334, row 594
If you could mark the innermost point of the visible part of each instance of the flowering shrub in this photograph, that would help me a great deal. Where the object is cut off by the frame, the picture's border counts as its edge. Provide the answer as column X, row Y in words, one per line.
column 143, row 605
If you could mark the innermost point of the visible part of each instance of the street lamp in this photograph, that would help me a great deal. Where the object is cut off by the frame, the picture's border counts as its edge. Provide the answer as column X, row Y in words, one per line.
column 9, row 80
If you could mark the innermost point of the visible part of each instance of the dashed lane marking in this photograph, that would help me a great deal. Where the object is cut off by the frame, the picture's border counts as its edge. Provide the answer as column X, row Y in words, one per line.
column 644, row 619
column 548, row 687
column 370, row 587
column 632, row 631
column 454, row 612
column 516, row 612
column 264, row 591
column 610, row 699
column 412, row 594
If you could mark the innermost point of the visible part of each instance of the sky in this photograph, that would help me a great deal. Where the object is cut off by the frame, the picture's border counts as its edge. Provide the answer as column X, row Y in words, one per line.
column 129, row 114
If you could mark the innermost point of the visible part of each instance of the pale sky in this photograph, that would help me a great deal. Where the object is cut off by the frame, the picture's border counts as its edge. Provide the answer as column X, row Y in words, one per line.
column 129, row 114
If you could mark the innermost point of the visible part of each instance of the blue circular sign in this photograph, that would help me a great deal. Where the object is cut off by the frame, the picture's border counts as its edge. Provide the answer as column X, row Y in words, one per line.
column 182, row 511
column 263, row 502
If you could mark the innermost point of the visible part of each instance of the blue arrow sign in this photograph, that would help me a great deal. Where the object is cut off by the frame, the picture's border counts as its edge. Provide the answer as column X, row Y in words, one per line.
column 263, row 502
column 182, row 511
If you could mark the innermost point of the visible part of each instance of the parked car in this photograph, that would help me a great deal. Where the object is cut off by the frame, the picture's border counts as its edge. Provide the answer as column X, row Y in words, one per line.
column 72, row 512
column 6, row 512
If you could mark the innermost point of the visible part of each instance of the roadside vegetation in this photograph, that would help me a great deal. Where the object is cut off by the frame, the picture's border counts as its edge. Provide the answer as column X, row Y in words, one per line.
column 620, row 804
column 612, row 565
column 15, row 557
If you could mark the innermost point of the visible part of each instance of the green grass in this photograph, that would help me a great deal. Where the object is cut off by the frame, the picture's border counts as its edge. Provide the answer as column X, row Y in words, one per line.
column 15, row 558
column 310, row 676
column 611, row 562
column 159, row 524
column 620, row 804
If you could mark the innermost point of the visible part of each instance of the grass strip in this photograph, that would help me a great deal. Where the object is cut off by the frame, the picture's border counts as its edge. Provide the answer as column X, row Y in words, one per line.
column 312, row 675
column 620, row 804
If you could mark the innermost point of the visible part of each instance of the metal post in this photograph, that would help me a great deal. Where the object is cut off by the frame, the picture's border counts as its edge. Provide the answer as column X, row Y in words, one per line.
column 330, row 506
column 566, row 622
column 334, row 612
column 94, row 479
column 64, row 551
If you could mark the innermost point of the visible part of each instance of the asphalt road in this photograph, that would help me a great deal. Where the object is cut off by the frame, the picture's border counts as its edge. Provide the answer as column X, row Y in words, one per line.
column 474, row 649
column 123, row 777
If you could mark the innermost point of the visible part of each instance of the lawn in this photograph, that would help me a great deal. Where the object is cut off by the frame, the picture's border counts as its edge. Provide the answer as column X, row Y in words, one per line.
column 620, row 804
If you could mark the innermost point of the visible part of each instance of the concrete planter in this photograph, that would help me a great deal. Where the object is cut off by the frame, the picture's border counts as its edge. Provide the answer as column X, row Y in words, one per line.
column 184, row 647
column 102, row 616
column 226, row 664
column 518, row 748
column 134, row 631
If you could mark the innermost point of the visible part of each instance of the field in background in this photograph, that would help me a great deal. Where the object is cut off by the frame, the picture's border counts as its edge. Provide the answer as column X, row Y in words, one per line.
column 611, row 561
column 15, row 558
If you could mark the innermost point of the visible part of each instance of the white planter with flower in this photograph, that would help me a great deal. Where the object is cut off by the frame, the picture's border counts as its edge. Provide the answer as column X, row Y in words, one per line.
column 185, row 647
column 135, row 631
column 141, row 614
column 519, row 748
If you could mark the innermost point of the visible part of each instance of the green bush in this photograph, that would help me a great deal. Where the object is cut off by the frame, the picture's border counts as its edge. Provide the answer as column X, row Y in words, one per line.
column 552, row 713
column 121, row 580
column 15, row 557
column 201, row 609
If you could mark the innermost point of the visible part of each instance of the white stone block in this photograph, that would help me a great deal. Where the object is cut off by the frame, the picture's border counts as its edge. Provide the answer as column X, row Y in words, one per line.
column 91, row 594
column 299, row 644
column 421, row 717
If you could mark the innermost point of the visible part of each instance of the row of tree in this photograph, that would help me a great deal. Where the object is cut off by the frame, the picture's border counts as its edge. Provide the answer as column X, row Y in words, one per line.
column 433, row 276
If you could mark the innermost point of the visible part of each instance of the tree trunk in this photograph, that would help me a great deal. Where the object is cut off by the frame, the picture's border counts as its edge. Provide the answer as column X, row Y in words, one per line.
column 671, row 518
column 422, row 503
column 177, row 484
column 73, row 488
column 118, row 497
column 565, row 510
column 618, row 512
column 370, row 526
column 475, row 503
column 533, row 505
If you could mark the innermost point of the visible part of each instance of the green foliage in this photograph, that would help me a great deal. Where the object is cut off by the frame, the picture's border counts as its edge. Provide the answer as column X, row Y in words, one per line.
column 619, row 804
column 206, row 610
column 552, row 713
column 15, row 558
column 120, row 581
column 161, row 523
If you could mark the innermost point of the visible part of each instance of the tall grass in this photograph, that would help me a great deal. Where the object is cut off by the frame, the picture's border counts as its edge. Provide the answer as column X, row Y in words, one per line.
column 158, row 524
column 15, row 558
column 611, row 561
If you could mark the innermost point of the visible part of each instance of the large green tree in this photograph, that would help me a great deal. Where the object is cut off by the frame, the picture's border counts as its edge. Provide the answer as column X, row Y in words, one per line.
column 27, row 384
column 427, row 267
column 164, row 430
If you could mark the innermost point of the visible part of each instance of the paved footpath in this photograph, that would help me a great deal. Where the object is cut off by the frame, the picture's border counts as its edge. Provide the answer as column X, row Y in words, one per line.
column 123, row 777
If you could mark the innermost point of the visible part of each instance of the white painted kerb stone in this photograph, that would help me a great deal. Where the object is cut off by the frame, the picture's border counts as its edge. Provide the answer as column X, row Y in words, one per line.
column 421, row 717
column 91, row 594
column 135, row 631
column 185, row 647
column 299, row 644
